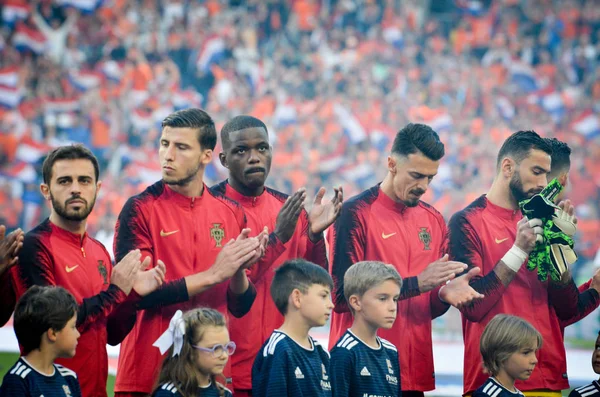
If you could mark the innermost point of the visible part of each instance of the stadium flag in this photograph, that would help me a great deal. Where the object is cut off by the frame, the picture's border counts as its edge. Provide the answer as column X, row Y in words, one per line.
column 505, row 108
column 61, row 105
column 587, row 124
column 10, row 97
column 27, row 39
column 112, row 71
column 141, row 120
column 85, row 6
column 441, row 122
column 524, row 76
column 13, row 11
column 360, row 173
column 143, row 172
column 552, row 102
column 332, row 162
column 9, row 76
column 352, row 127
column 21, row 171
column 379, row 138
column 84, row 80
column 212, row 51
column 31, row 151
column 186, row 99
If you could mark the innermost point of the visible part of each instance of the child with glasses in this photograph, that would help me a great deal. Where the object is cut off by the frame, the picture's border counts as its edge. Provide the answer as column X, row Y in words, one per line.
column 198, row 348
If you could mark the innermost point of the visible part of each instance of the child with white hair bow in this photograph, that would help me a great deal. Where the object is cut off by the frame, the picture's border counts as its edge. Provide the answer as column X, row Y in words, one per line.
column 198, row 348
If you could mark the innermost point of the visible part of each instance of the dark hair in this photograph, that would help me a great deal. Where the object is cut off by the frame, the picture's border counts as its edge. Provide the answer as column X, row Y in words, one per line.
column 197, row 119
column 418, row 138
column 296, row 274
column 561, row 157
column 70, row 152
column 41, row 309
column 239, row 123
column 518, row 145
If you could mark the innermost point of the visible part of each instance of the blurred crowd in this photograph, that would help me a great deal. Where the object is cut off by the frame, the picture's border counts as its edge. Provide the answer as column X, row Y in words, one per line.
column 333, row 80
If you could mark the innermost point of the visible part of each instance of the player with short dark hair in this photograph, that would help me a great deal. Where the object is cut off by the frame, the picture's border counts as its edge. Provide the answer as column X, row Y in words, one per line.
column 291, row 363
column 390, row 223
column 45, row 319
column 297, row 233
column 60, row 252
column 589, row 292
column 491, row 233
column 200, row 235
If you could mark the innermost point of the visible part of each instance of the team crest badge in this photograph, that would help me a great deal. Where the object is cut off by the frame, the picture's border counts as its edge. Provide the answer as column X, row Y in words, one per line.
column 389, row 364
column 217, row 233
column 67, row 391
column 425, row 238
column 102, row 270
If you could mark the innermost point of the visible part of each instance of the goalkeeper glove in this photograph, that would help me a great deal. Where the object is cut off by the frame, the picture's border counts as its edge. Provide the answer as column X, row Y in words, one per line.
column 561, row 255
column 564, row 222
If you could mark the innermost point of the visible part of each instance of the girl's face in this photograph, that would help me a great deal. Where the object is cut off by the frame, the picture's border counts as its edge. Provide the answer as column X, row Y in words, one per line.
column 209, row 363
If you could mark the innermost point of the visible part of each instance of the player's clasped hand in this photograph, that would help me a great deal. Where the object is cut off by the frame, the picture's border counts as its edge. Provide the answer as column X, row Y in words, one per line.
column 263, row 239
column 234, row 255
column 322, row 215
column 459, row 292
column 149, row 280
column 287, row 219
column 125, row 272
column 529, row 233
column 439, row 272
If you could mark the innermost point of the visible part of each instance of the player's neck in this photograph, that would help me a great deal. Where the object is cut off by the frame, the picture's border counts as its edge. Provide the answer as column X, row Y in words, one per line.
column 76, row 227
column 296, row 328
column 42, row 360
column 387, row 187
column 194, row 188
column 365, row 332
column 499, row 194
column 506, row 380
column 245, row 190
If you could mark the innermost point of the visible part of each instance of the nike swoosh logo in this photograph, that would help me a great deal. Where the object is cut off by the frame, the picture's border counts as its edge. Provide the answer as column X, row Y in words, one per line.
column 70, row 269
column 386, row 236
column 165, row 234
column 501, row 241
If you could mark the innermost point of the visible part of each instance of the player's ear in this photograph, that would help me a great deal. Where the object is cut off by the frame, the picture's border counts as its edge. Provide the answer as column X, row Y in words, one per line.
column 563, row 179
column 98, row 186
column 391, row 164
column 223, row 159
column 45, row 189
column 508, row 167
column 206, row 156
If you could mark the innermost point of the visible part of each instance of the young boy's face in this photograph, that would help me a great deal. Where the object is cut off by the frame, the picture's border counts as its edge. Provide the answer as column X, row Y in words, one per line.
column 520, row 364
column 596, row 356
column 66, row 339
column 316, row 305
column 379, row 305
